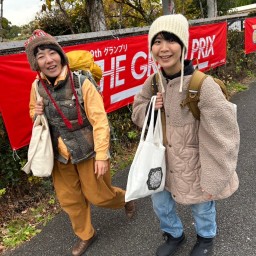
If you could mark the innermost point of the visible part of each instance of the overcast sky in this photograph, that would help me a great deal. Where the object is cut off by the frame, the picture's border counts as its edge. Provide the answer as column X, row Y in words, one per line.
column 21, row 12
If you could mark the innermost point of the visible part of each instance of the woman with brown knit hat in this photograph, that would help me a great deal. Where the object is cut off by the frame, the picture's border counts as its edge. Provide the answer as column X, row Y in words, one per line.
column 201, row 156
column 80, row 138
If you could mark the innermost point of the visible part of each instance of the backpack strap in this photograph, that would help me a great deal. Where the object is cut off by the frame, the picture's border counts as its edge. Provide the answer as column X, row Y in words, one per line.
column 78, row 82
column 193, row 93
column 87, row 74
column 222, row 87
column 79, row 77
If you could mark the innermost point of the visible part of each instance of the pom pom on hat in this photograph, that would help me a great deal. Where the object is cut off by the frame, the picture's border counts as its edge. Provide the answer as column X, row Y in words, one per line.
column 39, row 37
column 176, row 24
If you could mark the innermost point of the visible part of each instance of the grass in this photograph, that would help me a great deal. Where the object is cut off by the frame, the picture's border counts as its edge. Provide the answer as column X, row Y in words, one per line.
column 237, row 87
column 17, row 232
column 30, row 221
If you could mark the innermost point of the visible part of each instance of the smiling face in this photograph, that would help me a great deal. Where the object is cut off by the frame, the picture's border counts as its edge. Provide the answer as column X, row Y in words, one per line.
column 167, row 50
column 49, row 62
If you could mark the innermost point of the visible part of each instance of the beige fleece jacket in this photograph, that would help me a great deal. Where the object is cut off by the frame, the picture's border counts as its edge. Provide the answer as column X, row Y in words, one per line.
column 200, row 155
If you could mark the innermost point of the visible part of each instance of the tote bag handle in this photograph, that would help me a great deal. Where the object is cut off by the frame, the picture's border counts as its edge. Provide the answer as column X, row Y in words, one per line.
column 154, row 133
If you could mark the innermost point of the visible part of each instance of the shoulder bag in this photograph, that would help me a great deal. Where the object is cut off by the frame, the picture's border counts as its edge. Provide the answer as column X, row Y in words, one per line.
column 40, row 151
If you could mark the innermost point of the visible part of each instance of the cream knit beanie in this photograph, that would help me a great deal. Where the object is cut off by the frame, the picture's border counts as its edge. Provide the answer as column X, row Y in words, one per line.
column 175, row 24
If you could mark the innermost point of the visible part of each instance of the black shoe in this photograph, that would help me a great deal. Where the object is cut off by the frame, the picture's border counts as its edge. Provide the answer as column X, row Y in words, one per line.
column 203, row 247
column 171, row 245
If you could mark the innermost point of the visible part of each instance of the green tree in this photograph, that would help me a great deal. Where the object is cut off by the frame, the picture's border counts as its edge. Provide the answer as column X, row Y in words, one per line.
column 54, row 23
column 13, row 32
column 125, row 13
column 222, row 6
column 89, row 15
column 241, row 3
column 9, row 31
column 92, row 11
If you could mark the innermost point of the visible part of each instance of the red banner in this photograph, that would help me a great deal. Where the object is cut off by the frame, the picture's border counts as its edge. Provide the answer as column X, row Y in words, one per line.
column 208, row 44
column 250, row 35
column 125, row 63
column 15, row 83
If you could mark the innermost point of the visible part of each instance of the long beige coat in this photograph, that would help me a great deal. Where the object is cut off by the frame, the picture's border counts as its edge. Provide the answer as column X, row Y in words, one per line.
column 200, row 155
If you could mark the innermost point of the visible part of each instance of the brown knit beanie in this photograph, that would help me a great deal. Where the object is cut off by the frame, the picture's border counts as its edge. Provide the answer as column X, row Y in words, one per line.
column 39, row 37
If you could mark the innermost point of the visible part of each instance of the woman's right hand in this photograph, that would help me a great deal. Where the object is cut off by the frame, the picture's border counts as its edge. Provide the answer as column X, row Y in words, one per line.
column 39, row 107
column 159, row 101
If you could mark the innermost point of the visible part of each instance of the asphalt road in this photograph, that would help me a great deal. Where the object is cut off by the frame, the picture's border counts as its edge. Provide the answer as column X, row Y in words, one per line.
column 236, row 216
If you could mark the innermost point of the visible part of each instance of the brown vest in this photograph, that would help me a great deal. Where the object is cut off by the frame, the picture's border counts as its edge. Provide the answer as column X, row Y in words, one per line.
column 79, row 139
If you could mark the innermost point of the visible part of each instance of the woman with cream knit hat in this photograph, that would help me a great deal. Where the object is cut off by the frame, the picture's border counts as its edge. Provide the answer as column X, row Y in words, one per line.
column 201, row 156
column 80, row 137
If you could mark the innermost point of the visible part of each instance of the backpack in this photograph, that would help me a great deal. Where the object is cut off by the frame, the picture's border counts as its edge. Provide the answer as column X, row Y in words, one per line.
column 86, row 69
column 82, row 64
column 193, row 92
column 84, row 61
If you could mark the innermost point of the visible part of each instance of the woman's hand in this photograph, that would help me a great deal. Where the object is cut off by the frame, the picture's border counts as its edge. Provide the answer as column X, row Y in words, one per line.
column 101, row 167
column 159, row 101
column 39, row 107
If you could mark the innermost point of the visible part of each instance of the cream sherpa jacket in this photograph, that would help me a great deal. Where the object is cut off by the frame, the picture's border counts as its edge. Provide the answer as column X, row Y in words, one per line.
column 201, row 156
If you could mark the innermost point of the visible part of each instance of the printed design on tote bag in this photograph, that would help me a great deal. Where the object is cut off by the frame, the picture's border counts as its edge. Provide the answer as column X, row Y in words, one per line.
column 154, row 178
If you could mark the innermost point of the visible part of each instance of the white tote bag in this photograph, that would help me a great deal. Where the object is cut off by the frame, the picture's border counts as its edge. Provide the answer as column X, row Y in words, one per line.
column 148, row 169
column 40, row 151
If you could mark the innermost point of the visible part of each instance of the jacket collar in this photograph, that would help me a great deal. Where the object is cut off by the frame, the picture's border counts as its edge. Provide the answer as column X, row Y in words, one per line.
column 188, row 70
column 60, row 80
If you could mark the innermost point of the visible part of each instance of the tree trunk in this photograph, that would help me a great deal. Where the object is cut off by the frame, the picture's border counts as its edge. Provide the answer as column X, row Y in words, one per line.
column 201, row 9
column 95, row 12
column 211, row 8
column 168, row 7
column 121, row 15
column 66, row 16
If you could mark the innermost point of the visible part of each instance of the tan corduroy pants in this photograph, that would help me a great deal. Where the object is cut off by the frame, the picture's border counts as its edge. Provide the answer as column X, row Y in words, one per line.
column 77, row 186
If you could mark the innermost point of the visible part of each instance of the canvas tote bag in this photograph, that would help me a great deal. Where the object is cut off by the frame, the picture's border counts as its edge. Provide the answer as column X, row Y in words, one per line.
column 40, row 151
column 148, row 169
